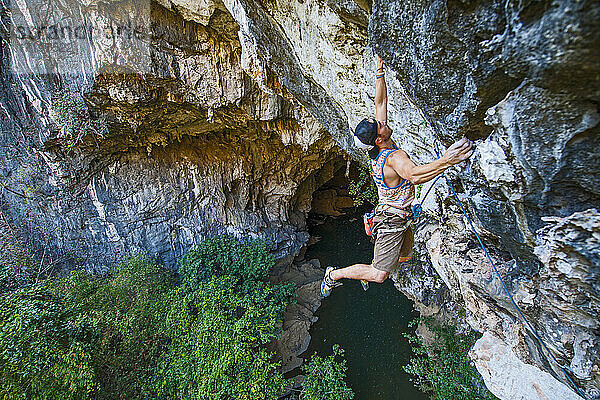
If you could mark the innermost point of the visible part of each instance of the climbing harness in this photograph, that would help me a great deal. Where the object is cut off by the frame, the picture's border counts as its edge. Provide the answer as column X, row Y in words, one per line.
column 368, row 221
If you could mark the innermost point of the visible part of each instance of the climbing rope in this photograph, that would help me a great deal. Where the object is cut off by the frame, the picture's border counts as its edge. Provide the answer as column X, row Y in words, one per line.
column 512, row 300
column 417, row 211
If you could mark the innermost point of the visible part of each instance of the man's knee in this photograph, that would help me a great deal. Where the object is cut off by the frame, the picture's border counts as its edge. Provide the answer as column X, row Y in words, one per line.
column 380, row 276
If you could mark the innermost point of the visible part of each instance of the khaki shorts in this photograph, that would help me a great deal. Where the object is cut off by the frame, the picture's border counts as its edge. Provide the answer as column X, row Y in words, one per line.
column 394, row 239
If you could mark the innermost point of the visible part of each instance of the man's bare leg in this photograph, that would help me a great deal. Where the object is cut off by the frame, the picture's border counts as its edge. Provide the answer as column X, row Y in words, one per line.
column 360, row 271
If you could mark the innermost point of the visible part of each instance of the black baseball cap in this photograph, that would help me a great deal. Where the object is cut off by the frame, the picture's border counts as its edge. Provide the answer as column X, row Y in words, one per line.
column 365, row 135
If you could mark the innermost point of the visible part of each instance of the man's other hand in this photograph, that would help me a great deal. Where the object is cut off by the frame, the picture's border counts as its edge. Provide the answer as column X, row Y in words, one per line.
column 459, row 151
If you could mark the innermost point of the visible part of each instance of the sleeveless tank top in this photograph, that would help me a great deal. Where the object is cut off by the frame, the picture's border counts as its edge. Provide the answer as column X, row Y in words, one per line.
column 397, row 197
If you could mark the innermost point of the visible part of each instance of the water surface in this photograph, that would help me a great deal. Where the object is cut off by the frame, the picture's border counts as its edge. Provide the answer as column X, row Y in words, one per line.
column 367, row 325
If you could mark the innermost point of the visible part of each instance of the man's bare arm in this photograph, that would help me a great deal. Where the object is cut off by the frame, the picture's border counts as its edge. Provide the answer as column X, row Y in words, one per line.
column 380, row 93
column 417, row 174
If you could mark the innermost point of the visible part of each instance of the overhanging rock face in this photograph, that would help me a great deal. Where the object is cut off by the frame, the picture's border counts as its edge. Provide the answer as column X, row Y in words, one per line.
column 244, row 110
column 524, row 79
column 191, row 148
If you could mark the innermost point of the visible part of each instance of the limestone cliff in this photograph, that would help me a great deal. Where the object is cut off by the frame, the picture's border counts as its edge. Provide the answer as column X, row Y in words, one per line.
column 243, row 108
column 194, row 147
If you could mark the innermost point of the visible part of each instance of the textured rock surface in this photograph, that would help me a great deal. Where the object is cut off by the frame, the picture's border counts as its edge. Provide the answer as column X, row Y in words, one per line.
column 298, row 318
column 458, row 58
column 569, row 285
column 523, row 78
column 235, row 126
column 194, row 148
column 520, row 381
column 553, row 301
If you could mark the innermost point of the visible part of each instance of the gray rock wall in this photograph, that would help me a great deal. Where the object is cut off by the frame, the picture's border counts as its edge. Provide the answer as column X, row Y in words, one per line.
column 523, row 79
column 192, row 148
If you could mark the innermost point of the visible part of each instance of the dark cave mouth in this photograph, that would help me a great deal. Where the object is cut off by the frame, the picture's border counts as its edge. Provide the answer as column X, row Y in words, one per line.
column 333, row 197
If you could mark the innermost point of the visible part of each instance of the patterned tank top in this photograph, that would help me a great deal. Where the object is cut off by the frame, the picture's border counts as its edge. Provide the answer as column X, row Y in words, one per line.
column 399, row 196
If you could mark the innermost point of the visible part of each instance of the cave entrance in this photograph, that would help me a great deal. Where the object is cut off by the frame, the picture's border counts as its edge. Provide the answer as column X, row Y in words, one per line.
column 333, row 198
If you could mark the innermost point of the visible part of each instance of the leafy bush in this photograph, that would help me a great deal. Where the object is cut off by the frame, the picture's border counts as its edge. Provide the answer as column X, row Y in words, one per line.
column 216, row 332
column 127, row 311
column 219, row 319
column 363, row 190
column 17, row 266
column 140, row 332
column 45, row 350
column 72, row 116
column 443, row 369
column 223, row 255
column 81, row 336
column 44, row 347
column 325, row 378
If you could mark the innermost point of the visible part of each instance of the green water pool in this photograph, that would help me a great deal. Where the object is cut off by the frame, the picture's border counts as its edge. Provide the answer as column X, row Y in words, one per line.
column 367, row 325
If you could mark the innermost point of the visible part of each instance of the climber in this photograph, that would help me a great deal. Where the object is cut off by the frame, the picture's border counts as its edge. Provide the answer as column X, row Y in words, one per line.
column 395, row 176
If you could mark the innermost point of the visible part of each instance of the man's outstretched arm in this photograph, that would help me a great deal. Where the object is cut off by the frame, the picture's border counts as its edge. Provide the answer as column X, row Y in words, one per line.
column 417, row 174
column 380, row 93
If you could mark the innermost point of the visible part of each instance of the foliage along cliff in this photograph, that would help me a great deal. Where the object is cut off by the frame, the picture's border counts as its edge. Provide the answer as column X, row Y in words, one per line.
column 246, row 107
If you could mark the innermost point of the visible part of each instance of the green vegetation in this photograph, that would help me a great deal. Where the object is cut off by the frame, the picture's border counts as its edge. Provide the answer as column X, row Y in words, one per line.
column 418, row 189
column 144, row 332
column 363, row 190
column 217, row 322
column 81, row 336
column 17, row 267
column 325, row 378
column 443, row 369
column 72, row 116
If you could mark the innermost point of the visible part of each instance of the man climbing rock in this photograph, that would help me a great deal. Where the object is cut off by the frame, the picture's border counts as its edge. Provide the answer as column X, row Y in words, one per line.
column 395, row 176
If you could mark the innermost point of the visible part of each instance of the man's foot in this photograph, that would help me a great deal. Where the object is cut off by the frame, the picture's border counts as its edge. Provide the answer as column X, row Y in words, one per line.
column 365, row 284
column 327, row 284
